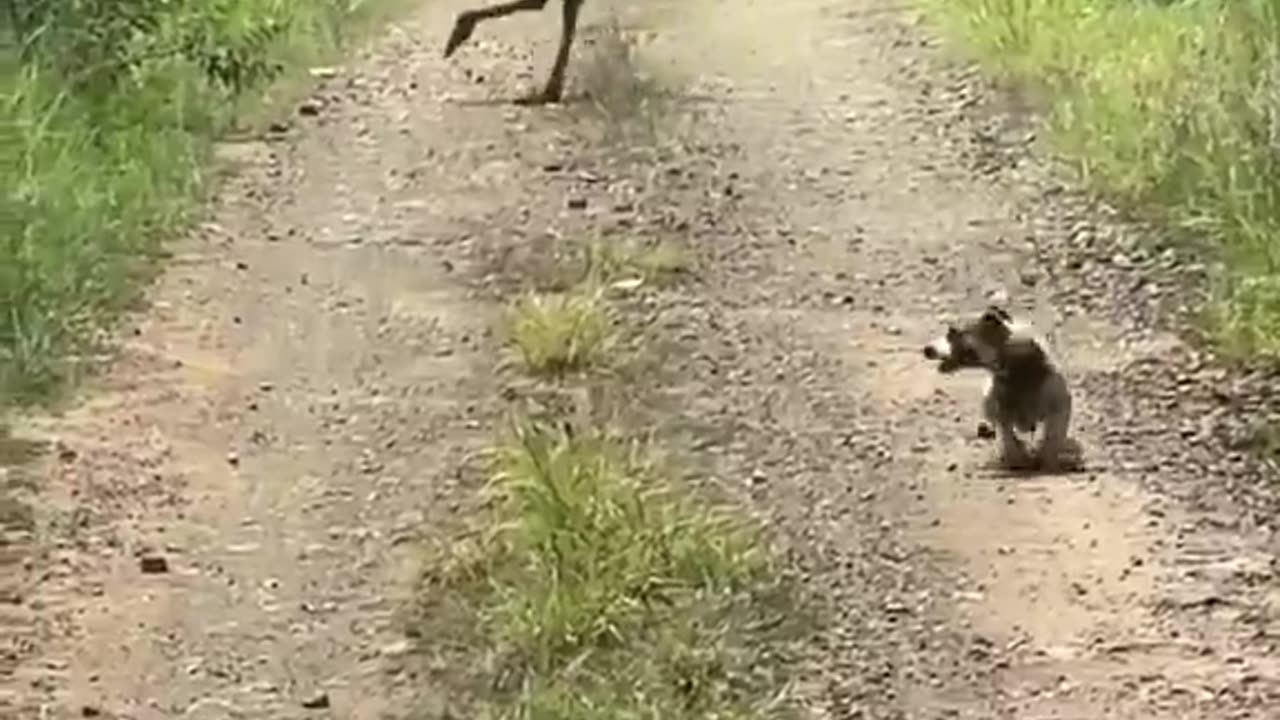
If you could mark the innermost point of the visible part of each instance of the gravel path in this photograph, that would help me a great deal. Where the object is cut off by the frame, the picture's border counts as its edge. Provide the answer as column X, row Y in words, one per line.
column 228, row 517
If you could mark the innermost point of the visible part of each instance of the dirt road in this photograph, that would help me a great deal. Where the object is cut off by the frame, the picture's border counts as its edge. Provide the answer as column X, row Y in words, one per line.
column 228, row 515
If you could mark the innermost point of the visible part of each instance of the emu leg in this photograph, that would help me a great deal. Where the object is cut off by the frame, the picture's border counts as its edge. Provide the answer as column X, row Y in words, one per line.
column 554, row 88
column 467, row 20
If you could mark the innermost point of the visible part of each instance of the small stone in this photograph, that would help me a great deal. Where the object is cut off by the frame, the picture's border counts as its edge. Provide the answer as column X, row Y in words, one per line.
column 319, row 702
column 153, row 564
column 896, row 608
column 577, row 203
column 396, row 649
column 90, row 711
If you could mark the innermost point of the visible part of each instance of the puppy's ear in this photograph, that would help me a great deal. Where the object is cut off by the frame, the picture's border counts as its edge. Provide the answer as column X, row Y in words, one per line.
column 996, row 314
column 994, row 326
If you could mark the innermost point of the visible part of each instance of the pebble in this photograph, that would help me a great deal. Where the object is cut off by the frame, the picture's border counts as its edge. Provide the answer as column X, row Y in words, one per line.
column 319, row 701
column 153, row 564
column 396, row 649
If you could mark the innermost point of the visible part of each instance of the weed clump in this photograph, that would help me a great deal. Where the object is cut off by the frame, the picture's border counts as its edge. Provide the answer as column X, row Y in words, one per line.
column 603, row 591
column 613, row 262
column 560, row 333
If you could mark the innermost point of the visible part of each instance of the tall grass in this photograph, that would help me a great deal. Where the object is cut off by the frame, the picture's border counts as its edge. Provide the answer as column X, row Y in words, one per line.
column 1171, row 106
column 597, row 589
column 107, row 114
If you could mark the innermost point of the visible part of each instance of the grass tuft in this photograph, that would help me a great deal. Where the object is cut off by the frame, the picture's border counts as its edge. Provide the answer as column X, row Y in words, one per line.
column 560, row 333
column 601, row 590
column 662, row 261
column 613, row 261
column 1167, row 106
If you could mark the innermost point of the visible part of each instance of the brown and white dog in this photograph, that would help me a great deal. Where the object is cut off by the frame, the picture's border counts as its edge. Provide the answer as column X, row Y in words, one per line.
column 1026, row 388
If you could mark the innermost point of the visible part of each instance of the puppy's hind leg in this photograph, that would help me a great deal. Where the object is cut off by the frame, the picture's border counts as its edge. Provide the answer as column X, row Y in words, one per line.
column 1013, row 453
column 1057, row 451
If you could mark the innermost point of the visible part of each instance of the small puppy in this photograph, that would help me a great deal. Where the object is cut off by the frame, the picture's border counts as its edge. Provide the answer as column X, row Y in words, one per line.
column 1026, row 388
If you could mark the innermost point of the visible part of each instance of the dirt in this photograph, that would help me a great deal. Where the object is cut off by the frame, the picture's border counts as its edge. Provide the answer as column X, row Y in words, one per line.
column 224, row 523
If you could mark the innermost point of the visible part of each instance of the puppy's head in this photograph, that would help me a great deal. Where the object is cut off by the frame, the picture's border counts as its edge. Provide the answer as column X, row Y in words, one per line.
column 975, row 344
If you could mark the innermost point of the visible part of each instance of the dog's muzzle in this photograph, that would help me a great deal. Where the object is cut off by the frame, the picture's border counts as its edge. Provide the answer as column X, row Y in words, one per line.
column 939, row 349
column 946, row 353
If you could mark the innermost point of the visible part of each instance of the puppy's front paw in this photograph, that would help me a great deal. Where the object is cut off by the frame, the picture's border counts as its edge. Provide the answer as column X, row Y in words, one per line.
column 1068, row 458
column 1017, row 459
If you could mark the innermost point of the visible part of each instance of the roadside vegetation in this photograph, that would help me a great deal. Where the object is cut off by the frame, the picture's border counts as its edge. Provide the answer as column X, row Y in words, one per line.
column 596, row 587
column 1170, row 106
column 108, row 112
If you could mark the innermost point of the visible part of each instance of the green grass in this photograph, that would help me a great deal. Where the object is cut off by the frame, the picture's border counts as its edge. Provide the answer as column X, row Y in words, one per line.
column 613, row 261
column 597, row 589
column 105, row 140
column 560, row 333
column 1172, row 108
